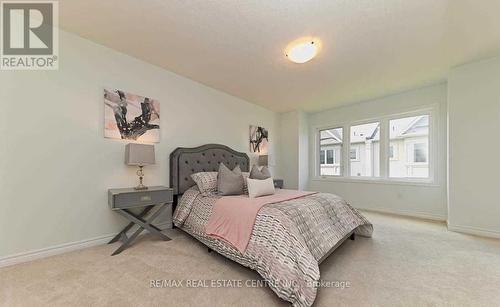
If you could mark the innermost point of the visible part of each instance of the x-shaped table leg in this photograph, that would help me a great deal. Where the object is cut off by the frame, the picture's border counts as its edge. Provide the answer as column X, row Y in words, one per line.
column 123, row 233
column 143, row 224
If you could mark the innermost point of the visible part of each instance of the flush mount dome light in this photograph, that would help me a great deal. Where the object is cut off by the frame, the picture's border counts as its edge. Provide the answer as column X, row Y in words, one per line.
column 302, row 51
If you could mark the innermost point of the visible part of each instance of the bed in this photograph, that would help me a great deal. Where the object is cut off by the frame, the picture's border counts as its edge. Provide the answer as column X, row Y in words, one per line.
column 289, row 239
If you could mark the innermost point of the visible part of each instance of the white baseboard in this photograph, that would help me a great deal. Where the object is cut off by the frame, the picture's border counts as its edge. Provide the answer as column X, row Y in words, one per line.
column 420, row 215
column 475, row 231
column 53, row 250
column 63, row 248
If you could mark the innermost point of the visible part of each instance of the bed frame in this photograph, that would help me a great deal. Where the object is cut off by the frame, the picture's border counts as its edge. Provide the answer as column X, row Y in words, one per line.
column 206, row 158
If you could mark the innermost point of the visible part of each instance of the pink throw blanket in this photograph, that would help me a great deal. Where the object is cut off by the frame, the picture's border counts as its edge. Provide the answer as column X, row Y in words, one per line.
column 233, row 217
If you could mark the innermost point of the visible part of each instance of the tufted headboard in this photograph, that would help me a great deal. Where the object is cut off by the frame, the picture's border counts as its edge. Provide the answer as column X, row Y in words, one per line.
column 187, row 161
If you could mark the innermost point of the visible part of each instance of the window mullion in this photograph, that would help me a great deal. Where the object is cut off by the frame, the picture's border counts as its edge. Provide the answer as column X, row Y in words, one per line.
column 384, row 148
column 346, row 161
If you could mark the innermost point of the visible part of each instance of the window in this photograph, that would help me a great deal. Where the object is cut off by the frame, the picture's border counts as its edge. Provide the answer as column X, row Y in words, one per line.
column 330, row 153
column 411, row 133
column 364, row 150
column 407, row 153
column 329, row 156
column 420, row 153
column 393, row 152
column 353, row 154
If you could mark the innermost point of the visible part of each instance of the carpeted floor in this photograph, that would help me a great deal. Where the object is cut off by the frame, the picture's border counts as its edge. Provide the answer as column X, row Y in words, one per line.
column 408, row 262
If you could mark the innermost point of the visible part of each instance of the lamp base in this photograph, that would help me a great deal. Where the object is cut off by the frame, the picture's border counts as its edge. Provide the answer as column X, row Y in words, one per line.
column 141, row 187
column 140, row 173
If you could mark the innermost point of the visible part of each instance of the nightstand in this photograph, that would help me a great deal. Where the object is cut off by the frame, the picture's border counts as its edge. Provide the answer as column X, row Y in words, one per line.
column 123, row 200
column 278, row 183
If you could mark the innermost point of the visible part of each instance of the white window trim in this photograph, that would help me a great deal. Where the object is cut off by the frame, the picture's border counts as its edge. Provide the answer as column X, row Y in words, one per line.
column 317, row 165
column 431, row 110
column 378, row 180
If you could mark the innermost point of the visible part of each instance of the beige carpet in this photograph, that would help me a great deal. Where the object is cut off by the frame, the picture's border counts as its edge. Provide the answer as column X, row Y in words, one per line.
column 408, row 262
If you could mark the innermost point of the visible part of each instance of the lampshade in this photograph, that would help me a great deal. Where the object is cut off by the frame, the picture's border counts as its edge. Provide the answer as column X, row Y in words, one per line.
column 263, row 160
column 139, row 154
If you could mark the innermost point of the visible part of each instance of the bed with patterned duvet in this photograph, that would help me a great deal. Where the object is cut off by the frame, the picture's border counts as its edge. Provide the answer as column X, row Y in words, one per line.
column 287, row 241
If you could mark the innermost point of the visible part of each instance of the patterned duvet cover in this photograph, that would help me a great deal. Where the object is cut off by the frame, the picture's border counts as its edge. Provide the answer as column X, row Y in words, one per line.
column 288, row 240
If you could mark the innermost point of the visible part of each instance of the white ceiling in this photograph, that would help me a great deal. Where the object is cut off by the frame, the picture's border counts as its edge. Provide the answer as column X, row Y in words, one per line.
column 370, row 48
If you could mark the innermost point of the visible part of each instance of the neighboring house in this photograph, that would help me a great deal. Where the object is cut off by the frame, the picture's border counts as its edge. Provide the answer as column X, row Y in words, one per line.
column 330, row 152
column 408, row 149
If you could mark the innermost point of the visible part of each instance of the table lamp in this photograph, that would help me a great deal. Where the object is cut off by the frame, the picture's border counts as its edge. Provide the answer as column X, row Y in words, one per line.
column 140, row 155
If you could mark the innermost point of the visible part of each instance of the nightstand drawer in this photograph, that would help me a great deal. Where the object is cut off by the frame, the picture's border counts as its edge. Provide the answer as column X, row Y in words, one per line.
column 140, row 198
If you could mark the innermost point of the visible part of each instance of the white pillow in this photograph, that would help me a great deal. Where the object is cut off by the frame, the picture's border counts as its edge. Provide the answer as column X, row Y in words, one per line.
column 258, row 187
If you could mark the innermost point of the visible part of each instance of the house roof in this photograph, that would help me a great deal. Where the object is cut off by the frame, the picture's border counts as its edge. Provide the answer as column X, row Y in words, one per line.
column 331, row 136
column 361, row 133
column 409, row 126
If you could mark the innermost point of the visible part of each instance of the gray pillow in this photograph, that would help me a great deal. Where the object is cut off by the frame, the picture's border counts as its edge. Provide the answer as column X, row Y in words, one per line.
column 206, row 182
column 260, row 174
column 230, row 182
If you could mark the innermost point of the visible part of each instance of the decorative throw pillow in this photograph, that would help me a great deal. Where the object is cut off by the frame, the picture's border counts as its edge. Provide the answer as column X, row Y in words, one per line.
column 206, row 182
column 260, row 174
column 230, row 182
column 245, row 175
column 258, row 187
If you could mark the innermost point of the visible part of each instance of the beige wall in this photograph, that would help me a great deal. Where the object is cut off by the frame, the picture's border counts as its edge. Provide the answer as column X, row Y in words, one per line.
column 55, row 164
column 428, row 201
column 293, row 150
column 303, row 150
column 288, row 169
column 474, row 124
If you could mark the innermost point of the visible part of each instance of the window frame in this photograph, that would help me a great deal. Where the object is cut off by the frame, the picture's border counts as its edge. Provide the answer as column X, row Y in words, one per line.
column 318, row 149
column 324, row 156
column 432, row 144
column 332, row 151
column 431, row 110
column 359, row 123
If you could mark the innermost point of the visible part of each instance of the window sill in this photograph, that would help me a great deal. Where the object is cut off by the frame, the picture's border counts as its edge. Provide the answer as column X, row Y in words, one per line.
column 419, row 183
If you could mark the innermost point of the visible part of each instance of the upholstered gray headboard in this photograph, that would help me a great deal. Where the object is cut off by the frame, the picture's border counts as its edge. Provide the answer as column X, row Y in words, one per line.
column 186, row 161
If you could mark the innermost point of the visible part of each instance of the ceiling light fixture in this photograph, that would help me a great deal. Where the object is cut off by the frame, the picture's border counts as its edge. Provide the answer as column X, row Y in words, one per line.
column 302, row 51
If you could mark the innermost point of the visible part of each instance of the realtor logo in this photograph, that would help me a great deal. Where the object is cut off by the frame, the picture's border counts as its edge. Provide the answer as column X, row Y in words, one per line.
column 29, row 35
